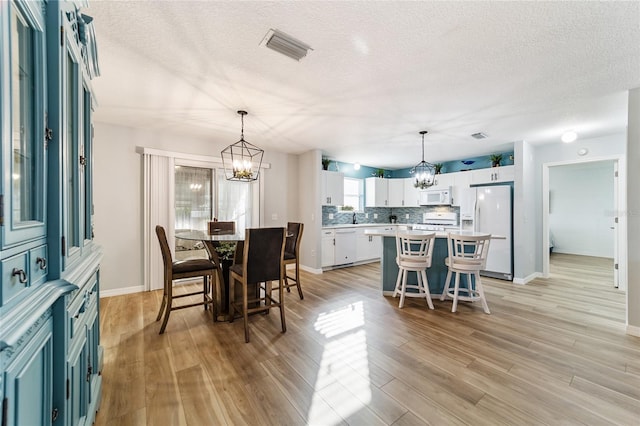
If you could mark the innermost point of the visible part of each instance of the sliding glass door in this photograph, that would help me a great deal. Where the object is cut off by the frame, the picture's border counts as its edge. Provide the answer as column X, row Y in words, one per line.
column 193, row 197
column 202, row 194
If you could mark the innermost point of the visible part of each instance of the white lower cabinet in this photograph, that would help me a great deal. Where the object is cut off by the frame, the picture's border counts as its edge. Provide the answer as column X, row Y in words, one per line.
column 341, row 246
column 328, row 247
column 368, row 247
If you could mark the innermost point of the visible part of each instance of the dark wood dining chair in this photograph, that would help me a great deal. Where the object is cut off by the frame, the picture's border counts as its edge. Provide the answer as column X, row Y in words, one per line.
column 192, row 268
column 216, row 226
column 292, row 256
column 262, row 263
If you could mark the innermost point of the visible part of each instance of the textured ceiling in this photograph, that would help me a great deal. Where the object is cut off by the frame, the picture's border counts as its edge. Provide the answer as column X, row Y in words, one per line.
column 379, row 73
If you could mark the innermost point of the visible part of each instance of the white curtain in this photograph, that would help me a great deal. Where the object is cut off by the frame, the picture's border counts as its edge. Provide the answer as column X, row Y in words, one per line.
column 235, row 202
column 158, row 210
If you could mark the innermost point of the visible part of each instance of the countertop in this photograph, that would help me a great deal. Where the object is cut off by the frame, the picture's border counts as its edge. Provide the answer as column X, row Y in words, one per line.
column 365, row 225
column 439, row 234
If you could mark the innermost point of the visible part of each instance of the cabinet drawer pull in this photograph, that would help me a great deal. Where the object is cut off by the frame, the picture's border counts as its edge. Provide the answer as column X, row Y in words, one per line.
column 22, row 275
column 42, row 262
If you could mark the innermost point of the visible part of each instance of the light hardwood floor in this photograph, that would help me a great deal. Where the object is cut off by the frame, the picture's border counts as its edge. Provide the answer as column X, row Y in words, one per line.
column 551, row 352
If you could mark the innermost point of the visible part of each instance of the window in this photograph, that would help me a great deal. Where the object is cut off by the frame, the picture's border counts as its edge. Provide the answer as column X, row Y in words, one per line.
column 353, row 195
column 193, row 195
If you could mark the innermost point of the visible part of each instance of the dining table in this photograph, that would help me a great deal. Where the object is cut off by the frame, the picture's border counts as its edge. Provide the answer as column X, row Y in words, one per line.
column 211, row 240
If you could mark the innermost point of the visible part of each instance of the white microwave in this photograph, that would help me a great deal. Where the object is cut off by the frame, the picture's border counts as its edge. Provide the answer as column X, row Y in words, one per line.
column 436, row 197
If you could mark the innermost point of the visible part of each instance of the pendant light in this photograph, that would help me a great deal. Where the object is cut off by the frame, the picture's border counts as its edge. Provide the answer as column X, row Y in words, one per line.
column 423, row 172
column 242, row 160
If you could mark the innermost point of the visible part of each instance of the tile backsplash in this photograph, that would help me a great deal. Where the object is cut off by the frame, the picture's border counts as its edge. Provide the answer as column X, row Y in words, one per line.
column 383, row 213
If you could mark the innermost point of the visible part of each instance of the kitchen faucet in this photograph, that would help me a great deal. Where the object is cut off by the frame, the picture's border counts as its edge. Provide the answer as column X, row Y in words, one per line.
column 354, row 219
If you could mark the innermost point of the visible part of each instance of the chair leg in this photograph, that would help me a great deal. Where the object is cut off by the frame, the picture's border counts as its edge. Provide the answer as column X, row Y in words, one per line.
column 163, row 304
column 214, row 298
column 167, row 310
column 398, row 281
column 281, row 303
column 447, row 284
column 456, row 288
column 245, row 314
column 425, row 284
column 404, row 288
column 232, row 292
column 205, row 291
column 481, row 293
column 298, row 280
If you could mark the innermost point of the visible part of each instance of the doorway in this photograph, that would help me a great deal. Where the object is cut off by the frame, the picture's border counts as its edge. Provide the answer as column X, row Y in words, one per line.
column 583, row 205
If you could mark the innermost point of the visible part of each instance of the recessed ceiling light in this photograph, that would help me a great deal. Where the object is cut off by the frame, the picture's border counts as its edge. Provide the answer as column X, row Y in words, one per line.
column 356, row 166
column 583, row 151
column 570, row 136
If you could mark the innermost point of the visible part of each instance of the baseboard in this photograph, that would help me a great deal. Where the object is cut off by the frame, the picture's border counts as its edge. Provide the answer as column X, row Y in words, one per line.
column 310, row 269
column 526, row 279
column 121, row 291
column 633, row 330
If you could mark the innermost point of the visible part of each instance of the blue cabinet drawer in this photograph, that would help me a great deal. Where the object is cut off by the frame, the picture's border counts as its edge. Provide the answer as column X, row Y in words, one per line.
column 75, row 315
column 15, row 277
column 38, row 264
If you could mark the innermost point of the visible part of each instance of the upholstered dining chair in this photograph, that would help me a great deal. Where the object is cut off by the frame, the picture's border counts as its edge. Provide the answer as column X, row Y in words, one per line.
column 292, row 256
column 221, row 226
column 467, row 255
column 262, row 262
column 174, row 270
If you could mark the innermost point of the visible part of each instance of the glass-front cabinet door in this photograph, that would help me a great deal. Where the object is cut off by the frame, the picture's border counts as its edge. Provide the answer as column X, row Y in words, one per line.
column 23, row 116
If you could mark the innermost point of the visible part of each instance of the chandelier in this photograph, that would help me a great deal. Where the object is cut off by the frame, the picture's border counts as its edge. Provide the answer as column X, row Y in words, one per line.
column 242, row 160
column 424, row 172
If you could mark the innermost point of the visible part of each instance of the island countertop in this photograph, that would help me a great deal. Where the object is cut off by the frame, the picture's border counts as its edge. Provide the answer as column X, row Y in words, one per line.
column 439, row 234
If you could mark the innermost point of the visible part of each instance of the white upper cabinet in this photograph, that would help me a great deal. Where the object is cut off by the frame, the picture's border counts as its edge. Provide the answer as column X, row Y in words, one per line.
column 462, row 181
column 332, row 188
column 493, row 175
column 377, row 192
column 443, row 181
column 411, row 193
column 397, row 196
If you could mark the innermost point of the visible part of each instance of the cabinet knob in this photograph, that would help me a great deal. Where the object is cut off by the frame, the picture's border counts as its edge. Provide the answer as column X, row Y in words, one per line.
column 42, row 262
column 22, row 275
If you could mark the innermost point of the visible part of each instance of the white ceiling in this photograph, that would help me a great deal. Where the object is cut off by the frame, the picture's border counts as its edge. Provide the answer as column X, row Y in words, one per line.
column 379, row 73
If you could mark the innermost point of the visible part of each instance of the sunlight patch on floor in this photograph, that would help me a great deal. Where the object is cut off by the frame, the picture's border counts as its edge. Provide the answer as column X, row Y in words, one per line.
column 343, row 377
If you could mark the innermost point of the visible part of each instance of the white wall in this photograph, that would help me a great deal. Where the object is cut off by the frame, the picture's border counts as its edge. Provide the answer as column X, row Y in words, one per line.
column 581, row 208
column 310, row 208
column 118, row 195
column 524, row 202
column 599, row 149
column 633, row 213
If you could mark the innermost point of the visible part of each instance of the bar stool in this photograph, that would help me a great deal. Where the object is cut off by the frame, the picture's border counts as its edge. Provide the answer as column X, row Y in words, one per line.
column 414, row 254
column 467, row 255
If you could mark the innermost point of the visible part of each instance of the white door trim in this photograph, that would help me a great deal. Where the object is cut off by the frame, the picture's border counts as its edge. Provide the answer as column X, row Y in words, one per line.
column 621, row 207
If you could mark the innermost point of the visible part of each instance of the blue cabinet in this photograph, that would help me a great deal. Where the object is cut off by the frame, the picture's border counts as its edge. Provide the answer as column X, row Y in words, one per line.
column 50, row 354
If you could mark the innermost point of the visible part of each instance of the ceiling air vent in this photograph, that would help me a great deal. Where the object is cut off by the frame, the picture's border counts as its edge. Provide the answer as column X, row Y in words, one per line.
column 479, row 135
column 285, row 44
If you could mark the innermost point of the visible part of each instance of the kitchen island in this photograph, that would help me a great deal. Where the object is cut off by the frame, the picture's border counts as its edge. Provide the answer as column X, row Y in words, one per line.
column 436, row 274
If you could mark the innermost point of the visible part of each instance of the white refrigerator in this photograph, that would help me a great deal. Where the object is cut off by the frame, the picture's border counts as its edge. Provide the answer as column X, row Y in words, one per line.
column 488, row 209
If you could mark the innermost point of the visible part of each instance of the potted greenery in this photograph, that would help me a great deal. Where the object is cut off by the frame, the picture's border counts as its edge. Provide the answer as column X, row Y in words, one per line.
column 495, row 159
column 438, row 167
column 225, row 251
column 379, row 173
column 325, row 163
